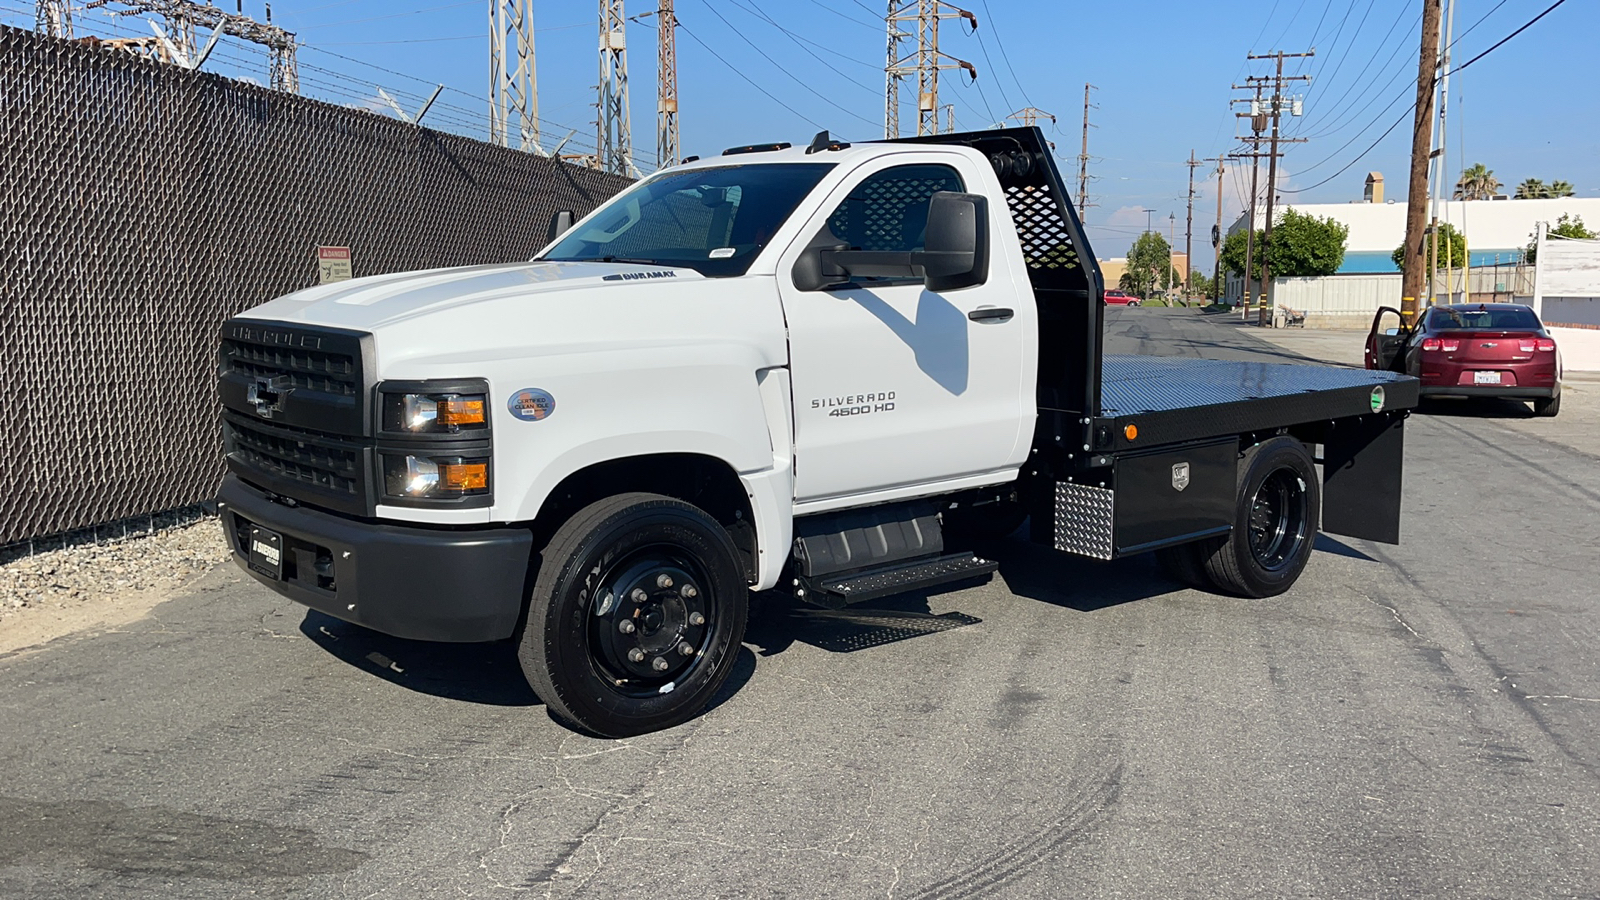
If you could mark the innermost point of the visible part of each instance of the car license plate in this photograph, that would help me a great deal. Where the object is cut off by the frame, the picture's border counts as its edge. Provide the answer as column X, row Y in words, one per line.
column 266, row 552
column 1486, row 377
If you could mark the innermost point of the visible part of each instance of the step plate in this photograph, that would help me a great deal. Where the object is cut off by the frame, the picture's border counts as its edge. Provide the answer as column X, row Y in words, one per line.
column 907, row 577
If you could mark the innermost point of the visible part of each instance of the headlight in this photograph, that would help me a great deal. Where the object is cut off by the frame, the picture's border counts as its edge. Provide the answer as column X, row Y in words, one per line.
column 434, row 478
column 435, row 413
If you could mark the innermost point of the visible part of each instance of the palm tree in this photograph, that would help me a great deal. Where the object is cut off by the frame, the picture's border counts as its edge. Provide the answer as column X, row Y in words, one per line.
column 1561, row 189
column 1532, row 189
column 1477, row 183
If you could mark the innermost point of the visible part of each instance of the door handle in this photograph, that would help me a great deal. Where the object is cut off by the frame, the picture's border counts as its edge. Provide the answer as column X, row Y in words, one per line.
column 988, row 314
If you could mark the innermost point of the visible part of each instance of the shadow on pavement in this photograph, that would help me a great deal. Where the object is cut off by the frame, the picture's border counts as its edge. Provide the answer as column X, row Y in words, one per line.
column 778, row 621
column 476, row 673
column 1327, row 544
column 1074, row 582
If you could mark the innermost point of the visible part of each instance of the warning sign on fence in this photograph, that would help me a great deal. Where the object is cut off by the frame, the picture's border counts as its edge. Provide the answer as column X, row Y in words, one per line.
column 334, row 264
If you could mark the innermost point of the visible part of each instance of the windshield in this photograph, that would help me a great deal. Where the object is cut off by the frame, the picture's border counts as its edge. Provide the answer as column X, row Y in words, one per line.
column 1515, row 319
column 712, row 220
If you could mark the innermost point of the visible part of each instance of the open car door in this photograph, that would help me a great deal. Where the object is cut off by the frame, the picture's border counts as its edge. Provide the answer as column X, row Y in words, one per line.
column 1386, row 342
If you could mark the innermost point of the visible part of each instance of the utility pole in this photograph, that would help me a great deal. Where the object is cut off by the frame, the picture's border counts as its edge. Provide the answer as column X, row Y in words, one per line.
column 1421, row 149
column 1188, row 229
column 513, row 78
column 1216, row 239
column 615, row 143
column 668, row 149
column 925, row 16
column 1261, row 118
column 53, row 17
column 1083, row 157
column 1272, row 168
column 184, row 16
column 1172, row 240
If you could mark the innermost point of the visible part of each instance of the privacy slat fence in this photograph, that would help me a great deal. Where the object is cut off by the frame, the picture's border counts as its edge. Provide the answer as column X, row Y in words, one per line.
column 142, row 204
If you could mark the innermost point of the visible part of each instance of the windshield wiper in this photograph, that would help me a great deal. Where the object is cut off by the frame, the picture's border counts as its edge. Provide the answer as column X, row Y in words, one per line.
column 639, row 262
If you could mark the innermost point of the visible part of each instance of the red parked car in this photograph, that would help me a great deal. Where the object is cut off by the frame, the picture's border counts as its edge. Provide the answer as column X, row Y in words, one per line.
column 1119, row 298
column 1472, row 350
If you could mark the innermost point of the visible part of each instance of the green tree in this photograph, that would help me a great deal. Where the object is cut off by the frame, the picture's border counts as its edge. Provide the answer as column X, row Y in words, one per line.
column 1560, row 188
column 1149, row 262
column 1233, row 252
column 1477, row 183
column 1566, row 227
column 1200, row 285
column 1532, row 189
column 1452, row 249
column 1305, row 246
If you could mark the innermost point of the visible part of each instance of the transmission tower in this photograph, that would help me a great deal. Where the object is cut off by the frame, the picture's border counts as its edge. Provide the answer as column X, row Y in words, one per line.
column 1030, row 115
column 183, row 17
column 667, row 148
column 53, row 17
column 615, row 141
column 926, row 63
column 513, row 77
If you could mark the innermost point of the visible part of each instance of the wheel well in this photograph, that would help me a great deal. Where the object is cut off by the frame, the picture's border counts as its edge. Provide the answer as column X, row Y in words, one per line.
column 704, row 481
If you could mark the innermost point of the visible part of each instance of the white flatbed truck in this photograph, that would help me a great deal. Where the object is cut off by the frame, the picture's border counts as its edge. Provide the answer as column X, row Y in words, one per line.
column 830, row 370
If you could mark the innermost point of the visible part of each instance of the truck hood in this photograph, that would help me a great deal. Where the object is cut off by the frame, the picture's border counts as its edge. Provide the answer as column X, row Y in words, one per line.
column 370, row 304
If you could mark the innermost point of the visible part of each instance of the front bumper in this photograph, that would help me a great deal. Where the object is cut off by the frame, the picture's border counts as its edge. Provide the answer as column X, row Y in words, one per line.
column 1512, row 392
column 429, row 584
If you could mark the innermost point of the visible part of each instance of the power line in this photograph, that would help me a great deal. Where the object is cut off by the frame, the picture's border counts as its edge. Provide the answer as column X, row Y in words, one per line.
column 989, row 17
column 780, row 67
column 800, row 38
column 391, row 15
column 797, row 42
column 1413, row 107
column 687, row 30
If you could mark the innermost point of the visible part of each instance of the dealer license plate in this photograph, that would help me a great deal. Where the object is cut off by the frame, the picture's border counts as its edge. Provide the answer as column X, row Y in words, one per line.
column 266, row 552
column 1486, row 377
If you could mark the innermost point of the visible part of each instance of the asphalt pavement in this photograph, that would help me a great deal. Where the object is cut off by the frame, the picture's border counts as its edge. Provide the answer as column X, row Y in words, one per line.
column 1411, row 721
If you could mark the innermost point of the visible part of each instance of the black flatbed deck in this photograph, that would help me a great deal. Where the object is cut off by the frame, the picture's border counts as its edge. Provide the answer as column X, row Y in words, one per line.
column 1175, row 399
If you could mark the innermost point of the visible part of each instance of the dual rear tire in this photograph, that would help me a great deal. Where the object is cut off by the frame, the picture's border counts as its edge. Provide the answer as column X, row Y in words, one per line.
column 1277, row 509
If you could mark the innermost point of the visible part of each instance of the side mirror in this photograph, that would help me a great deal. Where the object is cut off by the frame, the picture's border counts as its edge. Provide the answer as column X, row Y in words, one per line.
column 955, row 254
column 560, row 223
column 957, row 243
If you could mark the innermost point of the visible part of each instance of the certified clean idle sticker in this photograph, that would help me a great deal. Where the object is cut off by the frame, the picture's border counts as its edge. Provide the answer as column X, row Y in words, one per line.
column 1377, row 399
column 531, row 404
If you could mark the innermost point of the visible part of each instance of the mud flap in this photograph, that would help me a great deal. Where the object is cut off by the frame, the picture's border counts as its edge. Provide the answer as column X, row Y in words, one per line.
column 1362, row 462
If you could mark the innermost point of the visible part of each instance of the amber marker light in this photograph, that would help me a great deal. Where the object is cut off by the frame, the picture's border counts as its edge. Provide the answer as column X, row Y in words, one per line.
column 461, row 411
column 1130, row 431
column 465, row 477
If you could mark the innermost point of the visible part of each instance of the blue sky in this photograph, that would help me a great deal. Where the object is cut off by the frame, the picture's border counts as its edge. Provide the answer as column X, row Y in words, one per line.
column 761, row 71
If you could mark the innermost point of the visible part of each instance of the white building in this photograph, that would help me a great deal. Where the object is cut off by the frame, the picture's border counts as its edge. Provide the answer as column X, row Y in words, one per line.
column 1497, row 232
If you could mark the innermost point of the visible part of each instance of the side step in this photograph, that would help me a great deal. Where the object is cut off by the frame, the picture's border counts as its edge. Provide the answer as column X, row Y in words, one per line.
column 844, row 588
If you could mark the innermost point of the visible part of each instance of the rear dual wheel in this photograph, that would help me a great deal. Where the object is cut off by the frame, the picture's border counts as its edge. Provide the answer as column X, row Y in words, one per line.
column 1275, row 526
column 636, row 616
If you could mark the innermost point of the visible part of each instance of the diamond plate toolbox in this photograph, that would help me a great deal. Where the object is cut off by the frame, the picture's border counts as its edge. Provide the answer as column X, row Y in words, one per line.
column 1084, row 519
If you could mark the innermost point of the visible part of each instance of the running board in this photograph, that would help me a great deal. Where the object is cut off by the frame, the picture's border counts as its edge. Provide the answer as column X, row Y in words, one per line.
column 836, row 591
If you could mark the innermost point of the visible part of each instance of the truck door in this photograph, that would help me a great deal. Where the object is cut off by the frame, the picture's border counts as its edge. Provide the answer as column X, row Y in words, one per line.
column 896, row 385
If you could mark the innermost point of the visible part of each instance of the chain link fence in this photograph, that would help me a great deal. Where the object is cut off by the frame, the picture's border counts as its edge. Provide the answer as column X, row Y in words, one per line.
column 142, row 204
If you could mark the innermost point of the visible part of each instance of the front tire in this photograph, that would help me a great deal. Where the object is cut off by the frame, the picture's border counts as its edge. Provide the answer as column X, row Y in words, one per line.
column 1275, row 524
column 636, row 617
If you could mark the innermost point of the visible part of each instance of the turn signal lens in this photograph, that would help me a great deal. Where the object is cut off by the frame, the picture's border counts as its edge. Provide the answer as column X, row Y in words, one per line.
column 1130, row 431
column 461, row 411
column 1430, row 343
column 465, row 477
column 1451, row 345
column 1547, row 345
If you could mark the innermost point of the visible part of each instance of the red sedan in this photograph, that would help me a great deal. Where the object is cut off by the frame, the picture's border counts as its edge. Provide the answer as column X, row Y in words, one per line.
column 1120, row 298
column 1472, row 350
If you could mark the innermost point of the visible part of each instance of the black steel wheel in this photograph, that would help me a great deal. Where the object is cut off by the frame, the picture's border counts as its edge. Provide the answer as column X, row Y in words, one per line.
column 636, row 616
column 1275, row 524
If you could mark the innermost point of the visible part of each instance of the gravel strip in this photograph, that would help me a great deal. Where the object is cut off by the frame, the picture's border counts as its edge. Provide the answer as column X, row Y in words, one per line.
column 89, row 572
